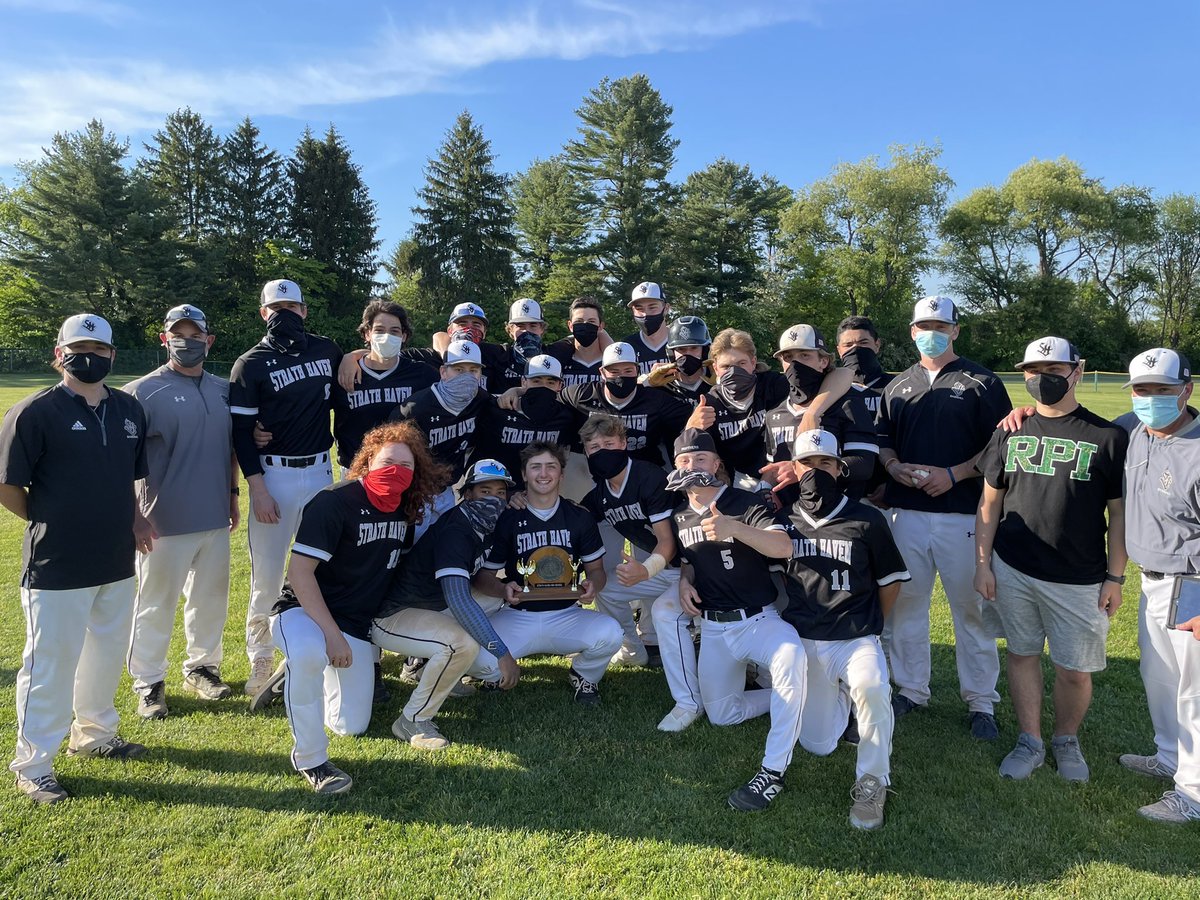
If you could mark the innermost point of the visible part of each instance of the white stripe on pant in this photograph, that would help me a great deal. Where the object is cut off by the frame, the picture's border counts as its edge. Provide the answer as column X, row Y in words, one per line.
column 593, row 636
column 841, row 673
column 431, row 636
column 315, row 693
column 940, row 544
column 1171, row 674
column 765, row 639
column 74, row 647
column 197, row 566
column 269, row 545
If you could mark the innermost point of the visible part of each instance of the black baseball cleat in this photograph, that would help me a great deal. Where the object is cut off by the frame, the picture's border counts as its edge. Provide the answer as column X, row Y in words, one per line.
column 902, row 706
column 850, row 735
column 758, row 792
column 983, row 726
column 271, row 691
column 327, row 779
column 586, row 693
column 382, row 692
column 410, row 672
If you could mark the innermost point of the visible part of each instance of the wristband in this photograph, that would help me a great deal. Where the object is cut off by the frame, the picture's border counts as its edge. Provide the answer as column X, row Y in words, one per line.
column 953, row 480
column 1115, row 579
column 887, row 466
column 654, row 564
column 235, row 490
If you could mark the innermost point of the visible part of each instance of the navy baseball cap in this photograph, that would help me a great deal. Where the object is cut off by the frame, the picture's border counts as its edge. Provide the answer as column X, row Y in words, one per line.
column 694, row 440
column 185, row 313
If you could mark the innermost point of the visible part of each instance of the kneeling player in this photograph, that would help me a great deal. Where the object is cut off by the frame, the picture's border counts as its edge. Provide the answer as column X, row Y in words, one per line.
column 528, row 625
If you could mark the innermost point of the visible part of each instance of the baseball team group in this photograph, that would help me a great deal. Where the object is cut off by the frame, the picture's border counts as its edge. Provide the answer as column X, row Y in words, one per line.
column 769, row 539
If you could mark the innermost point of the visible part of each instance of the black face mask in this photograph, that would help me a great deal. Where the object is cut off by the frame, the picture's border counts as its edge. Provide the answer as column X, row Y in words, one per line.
column 539, row 404
column 736, row 386
column 804, row 382
column 89, row 368
column 527, row 345
column 585, row 333
column 819, row 492
column 285, row 331
column 688, row 365
column 650, row 324
column 1047, row 388
column 187, row 352
column 604, row 464
column 864, row 363
column 621, row 387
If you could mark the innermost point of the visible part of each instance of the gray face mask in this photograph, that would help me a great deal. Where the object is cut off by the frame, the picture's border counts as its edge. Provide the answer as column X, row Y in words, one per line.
column 682, row 479
column 187, row 352
column 458, row 391
column 483, row 513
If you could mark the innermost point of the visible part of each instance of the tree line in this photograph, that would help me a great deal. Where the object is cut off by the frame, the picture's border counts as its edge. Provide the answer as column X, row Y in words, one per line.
column 206, row 219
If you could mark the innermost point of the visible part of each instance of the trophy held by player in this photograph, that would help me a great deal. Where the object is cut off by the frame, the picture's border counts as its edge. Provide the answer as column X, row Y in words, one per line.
column 550, row 573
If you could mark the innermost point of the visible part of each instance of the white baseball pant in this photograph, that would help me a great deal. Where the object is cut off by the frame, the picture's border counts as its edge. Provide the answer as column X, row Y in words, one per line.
column 197, row 566
column 269, row 544
column 1171, row 674
column 678, row 651
column 841, row 673
column 316, row 694
column 431, row 636
column 591, row 635
column 765, row 639
column 940, row 544
column 622, row 603
column 74, row 643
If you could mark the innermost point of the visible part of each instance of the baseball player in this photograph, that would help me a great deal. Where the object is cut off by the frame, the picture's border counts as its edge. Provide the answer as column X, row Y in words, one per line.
column 650, row 309
column 688, row 372
column 1041, row 557
column 190, row 496
column 843, row 575
column 525, row 329
column 69, row 457
column 858, row 347
column 725, row 536
column 935, row 419
column 285, row 382
column 580, row 354
column 350, row 540
column 1162, row 482
column 527, row 625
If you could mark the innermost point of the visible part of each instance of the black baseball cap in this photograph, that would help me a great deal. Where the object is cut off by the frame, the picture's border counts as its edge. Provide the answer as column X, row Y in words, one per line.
column 694, row 440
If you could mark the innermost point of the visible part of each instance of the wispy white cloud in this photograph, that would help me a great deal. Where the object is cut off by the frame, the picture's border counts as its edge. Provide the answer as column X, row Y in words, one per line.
column 102, row 10
column 133, row 96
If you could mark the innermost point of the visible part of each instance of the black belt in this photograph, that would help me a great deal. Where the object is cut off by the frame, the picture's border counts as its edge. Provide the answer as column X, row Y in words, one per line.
column 731, row 615
column 1153, row 576
column 296, row 462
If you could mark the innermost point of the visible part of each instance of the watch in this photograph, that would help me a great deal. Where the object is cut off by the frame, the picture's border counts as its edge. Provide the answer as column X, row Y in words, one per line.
column 1115, row 579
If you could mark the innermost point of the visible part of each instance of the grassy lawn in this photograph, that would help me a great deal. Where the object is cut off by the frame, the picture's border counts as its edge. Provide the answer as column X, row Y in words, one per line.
column 539, row 798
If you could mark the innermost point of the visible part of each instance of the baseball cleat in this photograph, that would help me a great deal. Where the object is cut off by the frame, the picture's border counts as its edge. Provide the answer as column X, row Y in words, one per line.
column 463, row 689
column 1146, row 765
column 260, row 673
column 153, row 703
column 679, row 718
column 270, row 691
column 586, row 692
column 631, row 654
column 869, row 795
column 328, row 779
column 206, row 684
column 1172, row 809
column 1069, row 758
column 850, row 735
column 43, row 791
column 983, row 726
column 758, row 792
column 1023, row 759
column 422, row 735
column 653, row 657
column 902, row 706
column 114, row 748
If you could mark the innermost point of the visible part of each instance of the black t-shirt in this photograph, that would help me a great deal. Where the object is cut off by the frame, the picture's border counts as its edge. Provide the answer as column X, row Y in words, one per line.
column 642, row 501
column 941, row 425
column 79, row 465
column 838, row 565
column 1058, row 475
column 647, row 357
column 738, row 433
column 522, row 531
column 513, row 431
column 356, row 547
column 290, row 393
column 727, row 575
column 372, row 401
column 452, row 438
column 652, row 417
column 449, row 547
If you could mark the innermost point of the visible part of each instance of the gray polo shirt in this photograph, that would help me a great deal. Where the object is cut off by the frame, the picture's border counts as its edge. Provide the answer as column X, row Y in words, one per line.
column 1162, row 499
column 189, row 450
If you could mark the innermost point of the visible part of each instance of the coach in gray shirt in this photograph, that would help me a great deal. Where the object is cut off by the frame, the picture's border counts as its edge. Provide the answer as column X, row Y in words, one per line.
column 191, row 498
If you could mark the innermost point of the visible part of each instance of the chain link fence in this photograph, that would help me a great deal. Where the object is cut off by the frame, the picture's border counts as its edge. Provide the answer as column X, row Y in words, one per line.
column 130, row 361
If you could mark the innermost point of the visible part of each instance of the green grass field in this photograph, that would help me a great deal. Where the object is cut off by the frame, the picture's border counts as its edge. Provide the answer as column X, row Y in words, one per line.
column 540, row 798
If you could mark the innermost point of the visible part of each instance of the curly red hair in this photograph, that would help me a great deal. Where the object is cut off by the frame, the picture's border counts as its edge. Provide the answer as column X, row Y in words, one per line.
column 430, row 477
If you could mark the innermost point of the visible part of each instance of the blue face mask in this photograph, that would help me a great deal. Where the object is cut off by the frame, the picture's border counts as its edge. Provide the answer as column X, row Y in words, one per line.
column 1157, row 412
column 932, row 343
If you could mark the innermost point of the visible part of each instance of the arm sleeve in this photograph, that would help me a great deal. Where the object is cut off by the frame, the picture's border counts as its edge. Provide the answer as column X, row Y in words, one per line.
column 456, row 589
column 859, row 434
column 243, row 405
column 758, row 516
column 20, row 447
column 320, row 527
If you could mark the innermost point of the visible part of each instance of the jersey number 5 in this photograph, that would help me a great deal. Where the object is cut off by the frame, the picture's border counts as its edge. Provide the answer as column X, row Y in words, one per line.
column 727, row 558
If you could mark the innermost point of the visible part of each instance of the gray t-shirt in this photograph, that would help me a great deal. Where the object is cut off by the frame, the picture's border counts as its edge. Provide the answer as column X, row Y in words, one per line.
column 1162, row 499
column 189, row 448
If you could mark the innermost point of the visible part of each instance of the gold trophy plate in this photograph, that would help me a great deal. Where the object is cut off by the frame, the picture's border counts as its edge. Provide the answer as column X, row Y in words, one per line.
column 550, row 574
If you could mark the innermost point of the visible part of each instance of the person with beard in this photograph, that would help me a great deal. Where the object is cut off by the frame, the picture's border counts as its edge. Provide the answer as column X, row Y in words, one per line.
column 726, row 538
column 284, row 382
column 581, row 353
column 843, row 574
column 538, row 416
column 189, row 452
column 1040, row 557
column 688, row 373
column 806, row 363
column 429, row 612
column 650, row 309
column 69, row 458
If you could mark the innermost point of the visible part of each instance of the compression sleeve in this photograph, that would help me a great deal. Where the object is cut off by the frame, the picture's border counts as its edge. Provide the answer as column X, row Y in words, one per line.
column 456, row 589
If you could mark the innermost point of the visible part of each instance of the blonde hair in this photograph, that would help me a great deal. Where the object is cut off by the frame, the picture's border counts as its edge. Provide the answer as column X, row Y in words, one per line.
column 732, row 339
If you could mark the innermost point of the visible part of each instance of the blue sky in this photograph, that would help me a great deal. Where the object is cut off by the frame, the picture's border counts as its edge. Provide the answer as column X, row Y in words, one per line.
column 787, row 88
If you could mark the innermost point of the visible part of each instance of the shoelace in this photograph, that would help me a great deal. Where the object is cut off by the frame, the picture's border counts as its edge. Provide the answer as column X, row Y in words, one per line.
column 207, row 676
column 1176, row 802
column 867, row 791
column 46, row 783
column 760, row 782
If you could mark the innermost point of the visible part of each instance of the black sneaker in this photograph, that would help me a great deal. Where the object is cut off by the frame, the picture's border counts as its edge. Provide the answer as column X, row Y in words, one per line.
column 382, row 693
column 850, row 735
column 983, row 726
column 758, row 792
column 114, row 748
column 586, row 693
column 153, row 703
column 902, row 706
column 206, row 684
column 327, row 779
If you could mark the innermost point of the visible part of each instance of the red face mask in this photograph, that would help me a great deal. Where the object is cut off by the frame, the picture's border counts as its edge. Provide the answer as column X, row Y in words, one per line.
column 472, row 333
column 386, row 486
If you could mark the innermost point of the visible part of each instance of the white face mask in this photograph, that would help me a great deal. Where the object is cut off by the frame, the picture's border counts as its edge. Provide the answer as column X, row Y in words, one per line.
column 387, row 345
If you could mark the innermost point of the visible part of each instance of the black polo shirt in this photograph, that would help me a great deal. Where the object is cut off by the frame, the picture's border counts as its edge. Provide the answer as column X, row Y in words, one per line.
column 79, row 464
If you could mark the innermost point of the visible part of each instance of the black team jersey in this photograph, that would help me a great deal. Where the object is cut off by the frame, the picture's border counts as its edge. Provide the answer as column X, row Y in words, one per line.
column 737, row 432
column 522, row 531
column 452, row 438
column 838, row 565
column 289, row 393
column 689, row 395
column 573, row 370
column 372, row 401
column 872, row 393
column 357, row 547
column 642, row 501
column 652, row 417
column 647, row 357
column 727, row 574
column 449, row 547
column 512, row 431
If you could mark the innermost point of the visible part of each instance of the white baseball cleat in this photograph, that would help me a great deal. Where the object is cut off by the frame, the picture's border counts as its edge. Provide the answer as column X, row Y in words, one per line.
column 679, row 718
column 631, row 654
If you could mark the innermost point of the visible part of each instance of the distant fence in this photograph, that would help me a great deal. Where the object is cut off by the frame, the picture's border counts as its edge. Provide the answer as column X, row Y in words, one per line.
column 1093, row 381
column 135, row 361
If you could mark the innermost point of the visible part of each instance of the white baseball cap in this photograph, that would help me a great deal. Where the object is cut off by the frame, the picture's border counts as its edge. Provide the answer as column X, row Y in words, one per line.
column 935, row 309
column 466, row 309
column 1050, row 350
column 801, row 337
column 85, row 327
column 1159, row 366
column 185, row 313
column 280, row 291
column 487, row 470
column 647, row 290
column 816, row 443
column 463, row 352
column 543, row 364
column 525, row 310
column 618, row 352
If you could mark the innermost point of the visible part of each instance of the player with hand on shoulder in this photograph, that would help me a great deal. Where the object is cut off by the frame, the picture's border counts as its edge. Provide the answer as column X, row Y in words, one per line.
column 650, row 310
column 688, row 373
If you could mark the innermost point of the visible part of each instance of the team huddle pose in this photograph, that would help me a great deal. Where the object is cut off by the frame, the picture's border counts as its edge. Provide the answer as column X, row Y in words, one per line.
column 770, row 540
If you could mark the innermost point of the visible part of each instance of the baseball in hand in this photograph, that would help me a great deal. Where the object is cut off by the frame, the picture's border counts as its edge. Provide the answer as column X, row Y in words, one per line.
column 919, row 475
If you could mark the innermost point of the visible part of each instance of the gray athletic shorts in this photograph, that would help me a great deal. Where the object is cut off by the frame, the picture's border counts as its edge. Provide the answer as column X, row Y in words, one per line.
column 1031, row 613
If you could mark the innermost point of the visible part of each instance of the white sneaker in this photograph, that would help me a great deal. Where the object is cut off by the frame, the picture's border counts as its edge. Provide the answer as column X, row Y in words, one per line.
column 679, row 718
column 1151, row 766
column 260, row 673
column 631, row 655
